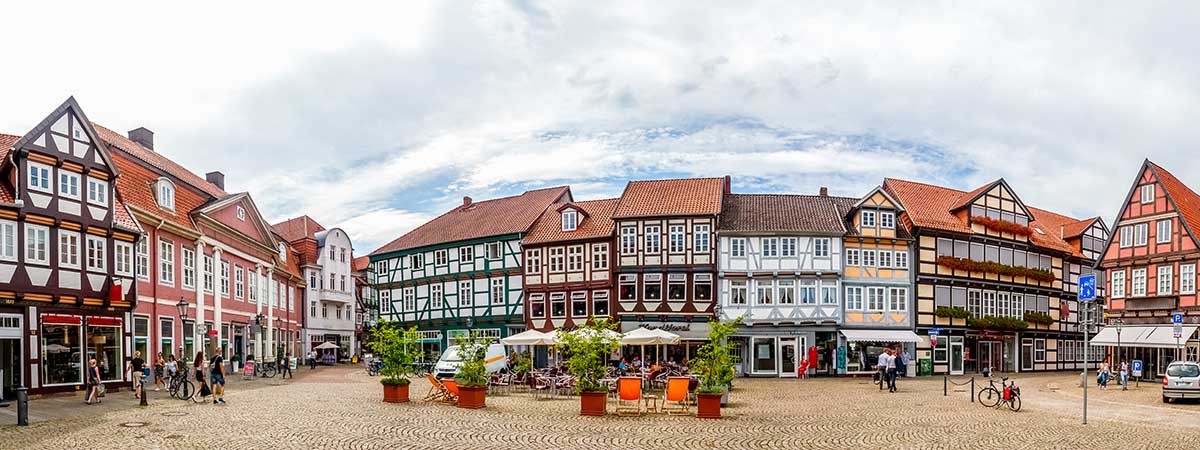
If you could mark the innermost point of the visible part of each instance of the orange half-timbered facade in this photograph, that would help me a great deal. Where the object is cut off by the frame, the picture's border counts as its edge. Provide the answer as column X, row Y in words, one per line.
column 568, row 265
column 1151, row 263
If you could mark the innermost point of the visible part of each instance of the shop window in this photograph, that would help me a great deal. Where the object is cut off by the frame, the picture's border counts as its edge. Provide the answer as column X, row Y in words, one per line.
column 787, row 292
column 166, row 333
column 941, row 352
column 702, row 285
column 677, row 286
column 141, row 335
column 628, row 287
column 1039, row 350
column 652, row 286
column 558, row 305
column 600, row 303
column 537, row 306
column 579, row 303
column 104, row 344
column 62, row 357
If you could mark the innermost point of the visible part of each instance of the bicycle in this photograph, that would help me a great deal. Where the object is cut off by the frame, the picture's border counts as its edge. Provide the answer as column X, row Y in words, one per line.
column 993, row 396
column 180, row 387
column 266, row 369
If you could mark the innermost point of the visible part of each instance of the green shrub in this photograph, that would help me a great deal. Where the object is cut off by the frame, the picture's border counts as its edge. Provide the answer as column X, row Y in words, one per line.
column 472, row 349
column 588, row 348
column 714, row 360
column 399, row 348
column 954, row 312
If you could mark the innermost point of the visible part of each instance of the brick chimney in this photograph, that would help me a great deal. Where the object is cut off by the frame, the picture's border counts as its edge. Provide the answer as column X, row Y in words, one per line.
column 142, row 136
column 824, row 191
column 728, row 184
column 466, row 201
column 216, row 178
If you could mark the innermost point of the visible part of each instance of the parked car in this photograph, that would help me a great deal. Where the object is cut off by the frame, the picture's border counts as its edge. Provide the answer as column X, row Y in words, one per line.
column 1182, row 381
column 447, row 365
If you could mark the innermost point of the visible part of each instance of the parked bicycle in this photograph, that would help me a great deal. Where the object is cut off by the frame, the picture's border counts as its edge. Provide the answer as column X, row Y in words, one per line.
column 993, row 395
column 180, row 387
column 266, row 369
column 374, row 366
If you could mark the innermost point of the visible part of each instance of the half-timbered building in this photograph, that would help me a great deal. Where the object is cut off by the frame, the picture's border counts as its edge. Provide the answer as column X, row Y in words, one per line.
column 568, row 265
column 462, row 270
column 878, row 301
column 66, row 257
column 1151, row 264
column 780, row 261
column 667, row 262
column 995, row 278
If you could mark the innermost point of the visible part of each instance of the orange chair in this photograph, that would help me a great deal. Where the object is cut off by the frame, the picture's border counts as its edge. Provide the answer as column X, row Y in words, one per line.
column 675, row 399
column 629, row 396
column 441, row 392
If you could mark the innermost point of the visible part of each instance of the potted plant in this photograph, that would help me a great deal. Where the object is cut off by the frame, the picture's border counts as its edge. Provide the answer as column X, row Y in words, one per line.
column 714, row 364
column 587, row 348
column 399, row 349
column 472, row 374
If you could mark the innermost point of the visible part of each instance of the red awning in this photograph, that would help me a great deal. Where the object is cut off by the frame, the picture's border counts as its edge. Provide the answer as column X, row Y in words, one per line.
column 104, row 321
column 64, row 320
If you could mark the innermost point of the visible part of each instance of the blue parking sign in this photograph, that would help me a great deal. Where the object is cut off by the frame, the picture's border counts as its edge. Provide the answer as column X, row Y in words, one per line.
column 1087, row 287
column 1177, row 318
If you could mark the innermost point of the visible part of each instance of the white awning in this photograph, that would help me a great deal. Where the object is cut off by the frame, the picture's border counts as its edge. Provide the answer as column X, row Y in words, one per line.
column 1154, row 336
column 887, row 336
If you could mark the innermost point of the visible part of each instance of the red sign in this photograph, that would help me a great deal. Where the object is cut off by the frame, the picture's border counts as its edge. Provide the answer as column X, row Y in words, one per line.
column 65, row 320
column 104, row 321
column 212, row 332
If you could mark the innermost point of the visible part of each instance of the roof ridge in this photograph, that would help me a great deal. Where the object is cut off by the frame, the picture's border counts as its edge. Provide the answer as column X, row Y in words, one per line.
column 677, row 179
column 885, row 180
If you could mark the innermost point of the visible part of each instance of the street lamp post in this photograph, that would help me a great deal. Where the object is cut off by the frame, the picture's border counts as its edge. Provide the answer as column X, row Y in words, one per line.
column 1117, row 323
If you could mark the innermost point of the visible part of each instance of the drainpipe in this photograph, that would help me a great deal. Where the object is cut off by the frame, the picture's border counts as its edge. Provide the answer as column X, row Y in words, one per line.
column 154, row 328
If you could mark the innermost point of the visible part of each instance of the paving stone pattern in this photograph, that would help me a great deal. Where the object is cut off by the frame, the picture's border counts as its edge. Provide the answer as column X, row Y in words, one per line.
column 340, row 408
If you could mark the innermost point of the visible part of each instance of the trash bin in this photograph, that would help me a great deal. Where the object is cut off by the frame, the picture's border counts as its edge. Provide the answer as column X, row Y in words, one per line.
column 926, row 367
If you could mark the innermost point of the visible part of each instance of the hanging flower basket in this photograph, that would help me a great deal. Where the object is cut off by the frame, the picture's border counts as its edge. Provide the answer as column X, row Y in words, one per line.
column 1003, row 226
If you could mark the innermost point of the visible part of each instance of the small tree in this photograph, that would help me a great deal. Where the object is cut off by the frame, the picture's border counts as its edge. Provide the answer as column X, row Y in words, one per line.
column 588, row 348
column 714, row 360
column 399, row 348
column 472, row 350
column 523, row 363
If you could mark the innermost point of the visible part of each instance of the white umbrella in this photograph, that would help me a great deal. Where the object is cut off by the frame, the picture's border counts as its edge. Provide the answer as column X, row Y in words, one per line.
column 529, row 337
column 326, row 346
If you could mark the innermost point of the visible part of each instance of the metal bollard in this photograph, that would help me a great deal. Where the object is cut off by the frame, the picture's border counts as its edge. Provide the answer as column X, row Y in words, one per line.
column 22, row 406
column 142, row 387
column 945, row 385
column 972, row 389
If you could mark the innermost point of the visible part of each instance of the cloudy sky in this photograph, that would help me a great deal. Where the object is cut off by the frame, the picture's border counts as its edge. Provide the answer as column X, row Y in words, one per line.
column 377, row 117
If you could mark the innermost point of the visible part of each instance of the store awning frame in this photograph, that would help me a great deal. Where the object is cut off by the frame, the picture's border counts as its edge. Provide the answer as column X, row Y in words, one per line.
column 886, row 336
column 1150, row 336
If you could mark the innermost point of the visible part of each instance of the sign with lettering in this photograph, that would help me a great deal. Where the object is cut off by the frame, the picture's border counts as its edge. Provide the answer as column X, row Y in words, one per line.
column 685, row 330
column 248, row 370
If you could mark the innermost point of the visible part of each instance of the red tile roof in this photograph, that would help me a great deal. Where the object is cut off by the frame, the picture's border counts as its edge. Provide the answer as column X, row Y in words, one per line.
column 158, row 161
column 495, row 217
column 360, row 263
column 6, row 143
column 929, row 206
column 298, row 228
column 1074, row 229
column 596, row 222
column 1186, row 200
column 966, row 199
column 785, row 213
column 680, row 197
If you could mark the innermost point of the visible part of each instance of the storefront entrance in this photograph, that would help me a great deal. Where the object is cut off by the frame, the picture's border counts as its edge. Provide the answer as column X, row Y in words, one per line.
column 956, row 354
column 10, row 354
column 991, row 355
column 787, row 357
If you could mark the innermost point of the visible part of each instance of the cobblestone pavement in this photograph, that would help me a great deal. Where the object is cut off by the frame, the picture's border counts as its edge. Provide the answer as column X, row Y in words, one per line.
column 336, row 408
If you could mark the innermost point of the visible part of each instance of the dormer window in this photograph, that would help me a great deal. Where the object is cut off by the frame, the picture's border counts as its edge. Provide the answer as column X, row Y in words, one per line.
column 887, row 219
column 282, row 248
column 241, row 213
column 166, row 194
column 569, row 220
column 868, row 219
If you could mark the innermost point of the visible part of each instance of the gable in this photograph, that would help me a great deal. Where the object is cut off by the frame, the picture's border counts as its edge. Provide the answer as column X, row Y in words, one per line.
column 67, row 135
column 1170, row 200
column 999, row 202
column 226, row 211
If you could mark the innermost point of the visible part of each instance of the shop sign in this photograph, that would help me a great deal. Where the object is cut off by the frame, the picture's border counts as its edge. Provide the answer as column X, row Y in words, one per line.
column 685, row 330
column 248, row 369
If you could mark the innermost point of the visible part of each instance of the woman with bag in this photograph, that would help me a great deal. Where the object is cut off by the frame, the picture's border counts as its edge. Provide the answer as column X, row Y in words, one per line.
column 159, row 365
column 93, row 381
column 198, row 367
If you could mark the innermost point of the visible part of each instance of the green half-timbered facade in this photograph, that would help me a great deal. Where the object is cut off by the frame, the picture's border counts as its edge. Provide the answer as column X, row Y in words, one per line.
column 461, row 271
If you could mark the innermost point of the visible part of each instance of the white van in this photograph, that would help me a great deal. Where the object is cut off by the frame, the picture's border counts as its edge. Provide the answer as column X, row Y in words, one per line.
column 447, row 365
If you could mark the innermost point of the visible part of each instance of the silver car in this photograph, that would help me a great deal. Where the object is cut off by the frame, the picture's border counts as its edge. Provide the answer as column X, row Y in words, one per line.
column 1182, row 381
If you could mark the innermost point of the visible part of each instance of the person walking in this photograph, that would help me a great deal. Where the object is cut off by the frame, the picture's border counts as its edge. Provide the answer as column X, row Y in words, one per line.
column 135, row 372
column 1104, row 368
column 159, row 367
column 171, row 366
column 198, row 370
column 893, row 363
column 312, row 360
column 216, row 367
column 882, row 365
column 286, row 369
column 93, row 382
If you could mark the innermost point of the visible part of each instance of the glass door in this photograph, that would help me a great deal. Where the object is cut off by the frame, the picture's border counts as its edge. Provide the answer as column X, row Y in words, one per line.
column 787, row 358
column 956, row 355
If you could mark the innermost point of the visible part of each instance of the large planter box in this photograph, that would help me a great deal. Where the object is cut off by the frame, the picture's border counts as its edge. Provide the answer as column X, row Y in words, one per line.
column 472, row 397
column 593, row 403
column 708, row 406
column 395, row 393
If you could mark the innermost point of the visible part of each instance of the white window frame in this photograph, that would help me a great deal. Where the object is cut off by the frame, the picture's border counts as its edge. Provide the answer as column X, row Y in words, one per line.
column 45, row 176
column 1165, row 275
column 466, row 293
column 898, row 299
column 600, row 297
column 440, row 257
column 885, row 259
column 737, row 247
column 1140, row 234
column 787, row 247
column 826, row 287
column 494, row 251
column 241, row 213
column 887, row 219
column 769, row 247
column 73, row 188
column 1117, row 280
column 166, row 262
column 97, row 192
column 1139, row 282
column 141, row 262
column 901, row 260
column 1147, row 193
column 69, row 252
column 1126, row 239
column 166, row 194
column 852, row 257
column 32, row 244
column 557, row 297
column 785, row 292
column 809, row 292
column 8, row 240
column 676, row 239
column 97, row 254
column 436, row 296
column 868, row 219
column 188, row 259
column 629, row 240
column 876, row 298
column 578, row 297
column 533, row 261
column 209, row 274
column 1162, row 234
column 570, row 220
column 737, row 287
column 869, row 258
column 410, row 299
column 854, row 298
column 821, row 247
column 225, row 280
column 701, row 238
column 123, row 258
column 1187, row 278
column 535, row 300
column 252, row 286
column 575, row 258
column 655, row 232
column 600, row 256
column 556, row 260
column 239, row 282
column 466, row 254
column 497, row 291
column 764, row 292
